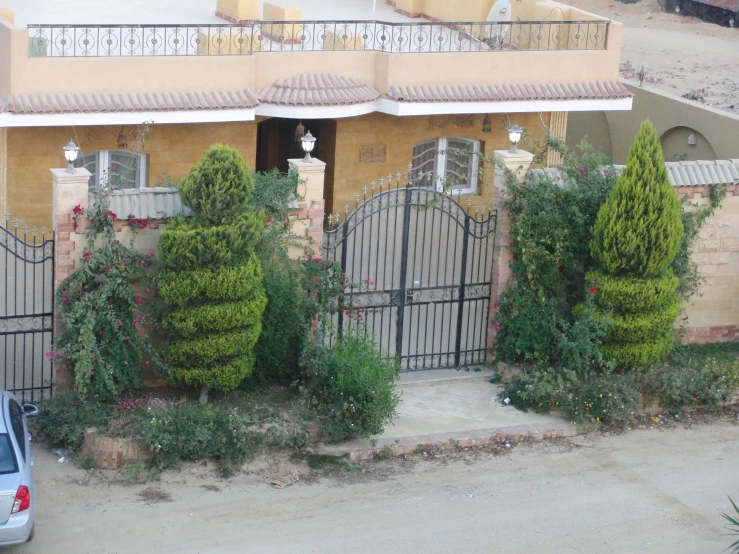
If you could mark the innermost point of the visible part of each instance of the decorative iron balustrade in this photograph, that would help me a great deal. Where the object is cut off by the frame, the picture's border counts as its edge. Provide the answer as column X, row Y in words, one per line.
column 313, row 36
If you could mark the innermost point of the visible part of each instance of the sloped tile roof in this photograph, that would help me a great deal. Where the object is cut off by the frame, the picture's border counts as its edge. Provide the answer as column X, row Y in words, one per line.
column 681, row 174
column 318, row 89
column 128, row 102
column 597, row 90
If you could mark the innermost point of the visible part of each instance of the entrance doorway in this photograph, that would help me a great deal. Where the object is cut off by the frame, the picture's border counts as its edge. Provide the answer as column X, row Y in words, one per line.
column 278, row 141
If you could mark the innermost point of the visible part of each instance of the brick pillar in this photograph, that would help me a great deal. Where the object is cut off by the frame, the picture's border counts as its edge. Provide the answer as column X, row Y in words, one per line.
column 312, row 206
column 517, row 163
column 3, row 170
column 69, row 190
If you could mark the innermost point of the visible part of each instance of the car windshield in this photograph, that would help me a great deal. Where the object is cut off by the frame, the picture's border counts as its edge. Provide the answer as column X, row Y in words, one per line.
column 7, row 456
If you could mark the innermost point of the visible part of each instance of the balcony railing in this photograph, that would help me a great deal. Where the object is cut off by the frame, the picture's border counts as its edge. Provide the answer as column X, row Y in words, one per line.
column 313, row 36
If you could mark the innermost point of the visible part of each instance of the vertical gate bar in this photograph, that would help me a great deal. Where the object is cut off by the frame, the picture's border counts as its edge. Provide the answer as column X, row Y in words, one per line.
column 5, row 306
column 369, row 255
column 424, row 347
column 53, row 306
column 403, row 272
column 436, row 284
column 33, row 309
column 25, row 285
column 417, row 235
column 463, row 275
column 490, row 280
column 344, row 248
column 384, row 271
column 396, row 195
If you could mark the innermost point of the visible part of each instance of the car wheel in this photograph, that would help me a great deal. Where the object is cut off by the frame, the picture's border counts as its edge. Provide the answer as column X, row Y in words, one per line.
column 30, row 536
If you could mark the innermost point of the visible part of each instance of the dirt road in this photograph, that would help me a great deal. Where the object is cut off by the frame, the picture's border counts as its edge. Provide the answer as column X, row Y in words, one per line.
column 648, row 491
column 678, row 54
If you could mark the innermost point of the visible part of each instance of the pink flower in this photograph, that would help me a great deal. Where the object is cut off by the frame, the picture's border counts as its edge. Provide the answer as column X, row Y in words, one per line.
column 582, row 169
column 593, row 290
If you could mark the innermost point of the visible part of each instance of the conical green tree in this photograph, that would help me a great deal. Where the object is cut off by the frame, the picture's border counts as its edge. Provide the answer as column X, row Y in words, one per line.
column 635, row 239
column 212, row 277
column 638, row 230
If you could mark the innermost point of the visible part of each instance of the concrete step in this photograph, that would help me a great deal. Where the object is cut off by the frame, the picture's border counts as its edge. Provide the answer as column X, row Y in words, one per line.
column 444, row 376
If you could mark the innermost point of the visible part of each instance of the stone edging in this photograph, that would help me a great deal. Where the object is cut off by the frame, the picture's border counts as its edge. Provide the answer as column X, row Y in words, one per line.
column 111, row 453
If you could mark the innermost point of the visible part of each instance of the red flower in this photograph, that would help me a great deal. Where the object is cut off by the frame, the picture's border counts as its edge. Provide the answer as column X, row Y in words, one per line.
column 86, row 256
column 138, row 299
column 77, row 210
column 106, row 268
column 582, row 169
column 593, row 290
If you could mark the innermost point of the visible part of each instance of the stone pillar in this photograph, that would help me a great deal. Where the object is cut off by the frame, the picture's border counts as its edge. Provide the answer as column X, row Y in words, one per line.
column 558, row 130
column 240, row 12
column 312, row 206
column 3, row 170
column 69, row 190
column 517, row 163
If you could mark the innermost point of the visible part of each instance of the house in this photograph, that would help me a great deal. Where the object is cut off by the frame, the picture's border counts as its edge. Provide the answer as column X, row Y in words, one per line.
column 146, row 90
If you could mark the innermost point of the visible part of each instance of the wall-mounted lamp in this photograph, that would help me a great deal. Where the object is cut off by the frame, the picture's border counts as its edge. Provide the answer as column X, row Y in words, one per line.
column 70, row 153
column 487, row 124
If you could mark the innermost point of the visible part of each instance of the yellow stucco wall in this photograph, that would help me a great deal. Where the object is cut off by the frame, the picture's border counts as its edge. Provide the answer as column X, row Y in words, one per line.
column 399, row 135
column 173, row 149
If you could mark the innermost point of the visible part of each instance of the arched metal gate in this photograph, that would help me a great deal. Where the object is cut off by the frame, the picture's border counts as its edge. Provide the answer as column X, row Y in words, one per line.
column 424, row 266
column 26, row 311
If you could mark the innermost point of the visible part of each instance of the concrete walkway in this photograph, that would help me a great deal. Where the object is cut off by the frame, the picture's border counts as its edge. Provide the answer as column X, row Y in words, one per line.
column 446, row 407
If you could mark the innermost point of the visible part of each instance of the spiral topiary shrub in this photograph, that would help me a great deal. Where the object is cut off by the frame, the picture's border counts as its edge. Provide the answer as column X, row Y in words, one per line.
column 636, row 237
column 212, row 277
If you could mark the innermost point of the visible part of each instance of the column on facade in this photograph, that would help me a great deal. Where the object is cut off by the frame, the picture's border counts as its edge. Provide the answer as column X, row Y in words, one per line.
column 69, row 190
column 311, row 206
column 506, row 163
column 558, row 130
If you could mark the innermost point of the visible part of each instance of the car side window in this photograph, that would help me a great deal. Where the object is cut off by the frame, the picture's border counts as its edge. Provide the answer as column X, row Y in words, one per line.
column 16, row 420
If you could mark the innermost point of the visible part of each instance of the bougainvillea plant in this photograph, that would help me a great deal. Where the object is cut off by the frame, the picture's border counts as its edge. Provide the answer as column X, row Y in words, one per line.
column 106, row 317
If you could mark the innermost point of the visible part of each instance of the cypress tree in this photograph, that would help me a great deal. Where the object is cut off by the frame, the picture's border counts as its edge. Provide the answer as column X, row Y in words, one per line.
column 635, row 239
column 211, row 277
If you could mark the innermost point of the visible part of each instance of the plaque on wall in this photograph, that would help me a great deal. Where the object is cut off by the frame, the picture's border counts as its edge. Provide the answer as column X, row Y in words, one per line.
column 372, row 154
column 444, row 121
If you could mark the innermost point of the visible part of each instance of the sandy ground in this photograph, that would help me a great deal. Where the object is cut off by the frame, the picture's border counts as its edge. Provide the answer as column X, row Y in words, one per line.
column 647, row 491
column 678, row 54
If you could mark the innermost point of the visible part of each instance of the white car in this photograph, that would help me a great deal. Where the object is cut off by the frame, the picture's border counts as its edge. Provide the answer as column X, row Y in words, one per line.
column 17, row 490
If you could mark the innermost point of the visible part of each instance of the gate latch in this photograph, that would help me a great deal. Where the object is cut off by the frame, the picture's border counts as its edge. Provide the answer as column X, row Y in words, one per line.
column 409, row 296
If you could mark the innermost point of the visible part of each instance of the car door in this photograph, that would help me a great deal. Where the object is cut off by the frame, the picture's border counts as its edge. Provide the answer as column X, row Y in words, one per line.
column 20, row 431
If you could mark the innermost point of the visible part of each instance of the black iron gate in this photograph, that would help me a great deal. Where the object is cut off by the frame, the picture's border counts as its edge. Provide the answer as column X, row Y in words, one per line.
column 421, row 269
column 26, row 311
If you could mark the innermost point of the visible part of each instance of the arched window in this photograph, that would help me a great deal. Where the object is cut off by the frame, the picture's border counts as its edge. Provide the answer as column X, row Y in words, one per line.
column 447, row 162
column 115, row 169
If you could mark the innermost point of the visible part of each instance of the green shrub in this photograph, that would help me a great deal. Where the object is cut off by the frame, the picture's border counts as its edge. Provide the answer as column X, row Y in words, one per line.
column 213, row 326
column 636, row 237
column 106, row 323
column 642, row 353
column 287, row 320
column 631, row 294
column 274, row 191
column 62, row 419
column 639, row 228
column 584, row 398
column 351, row 385
column 634, row 328
column 707, row 384
column 187, row 431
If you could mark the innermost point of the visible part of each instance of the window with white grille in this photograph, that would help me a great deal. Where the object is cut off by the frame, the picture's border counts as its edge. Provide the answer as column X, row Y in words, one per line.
column 450, row 163
column 115, row 169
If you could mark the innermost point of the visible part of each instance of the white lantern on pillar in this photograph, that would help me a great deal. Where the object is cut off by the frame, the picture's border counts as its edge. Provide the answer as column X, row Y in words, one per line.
column 70, row 153
column 308, row 142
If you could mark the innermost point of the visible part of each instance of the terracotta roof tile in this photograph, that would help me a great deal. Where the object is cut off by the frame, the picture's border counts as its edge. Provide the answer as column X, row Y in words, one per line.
column 503, row 93
column 318, row 89
column 128, row 102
